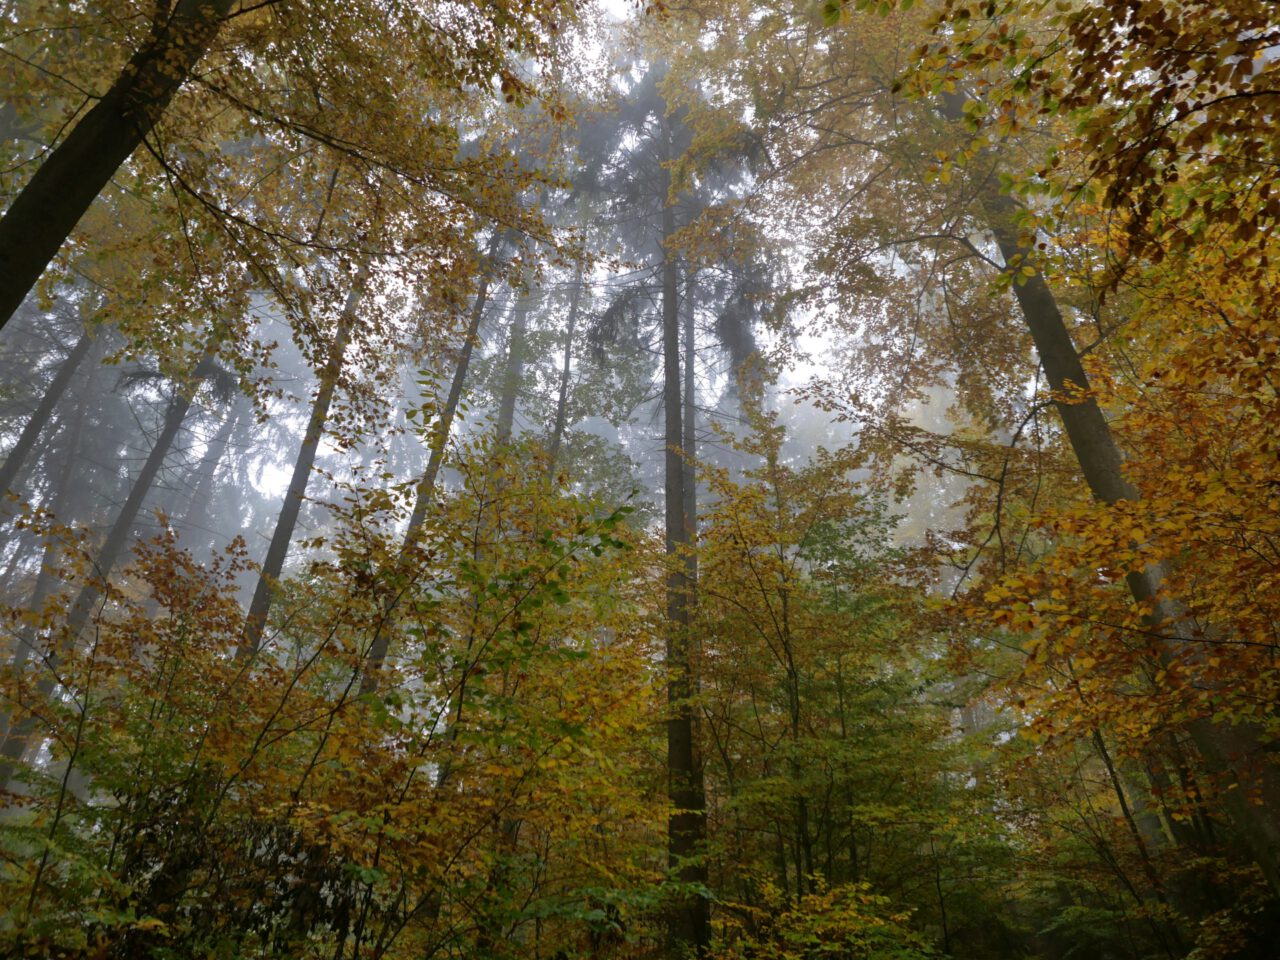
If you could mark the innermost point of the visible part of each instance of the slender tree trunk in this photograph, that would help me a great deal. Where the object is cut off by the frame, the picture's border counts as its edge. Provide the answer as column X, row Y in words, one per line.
column 1187, row 831
column 942, row 900
column 443, row 426
column 562, row 400
column 689, row 917
column 1233, row 753
column 495, row 901
column 25, row 544
column 489, row 928
column 803, row 833
column 46, row 577
column 25, row 643
column 273, row 564
column 689, row 443
column 62, row 189
column 198, row 507
column 1166, row 932
column 113, row 547
column 427, row 485
column 39, row 418
column 513, row 378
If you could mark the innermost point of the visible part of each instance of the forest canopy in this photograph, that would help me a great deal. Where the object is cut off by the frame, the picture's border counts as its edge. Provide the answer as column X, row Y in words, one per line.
column 706, row 480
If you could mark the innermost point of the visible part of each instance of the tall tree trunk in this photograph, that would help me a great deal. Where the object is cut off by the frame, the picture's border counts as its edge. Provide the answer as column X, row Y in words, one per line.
column 689, row 918
column 39, row 418
column 427, row 484
column 273, row 564
column 113, row 547
column 803, row 844
column 199, row 509
column 199, row 506
column 689, row 441
column 562, row 400
column 1233, row 753
column 440, row 431
column 513, row 376
column 46, row 576
column 51, row 204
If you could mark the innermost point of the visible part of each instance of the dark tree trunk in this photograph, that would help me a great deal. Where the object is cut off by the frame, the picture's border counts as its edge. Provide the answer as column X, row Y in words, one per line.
column 1166, row 932
column 51, row 204
column 689, row 916
column 273, row 564
column 17, row 456
column 689, row 443
column 1232, row 753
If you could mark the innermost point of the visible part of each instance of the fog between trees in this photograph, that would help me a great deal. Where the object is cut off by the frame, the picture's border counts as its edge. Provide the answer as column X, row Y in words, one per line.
column 538, row 480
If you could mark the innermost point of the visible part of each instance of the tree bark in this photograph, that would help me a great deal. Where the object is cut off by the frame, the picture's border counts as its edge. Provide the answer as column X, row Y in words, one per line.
column 1232, row 753
column 273, row 564
column 1165, row 930
column 46, row 575
column 43, row 215
column 689, row 919
column 689, row 441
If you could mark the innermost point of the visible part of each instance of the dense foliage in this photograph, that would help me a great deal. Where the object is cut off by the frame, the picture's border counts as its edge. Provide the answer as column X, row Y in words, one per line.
column 522, row 479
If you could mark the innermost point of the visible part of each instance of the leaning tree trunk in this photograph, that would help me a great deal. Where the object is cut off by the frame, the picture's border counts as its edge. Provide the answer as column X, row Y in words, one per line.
column 427, row 484
column 17, row 456
column 199, row 506
column 430, row 905
column 46, row 576
column 113, row 547
column 273, row 564
column 689, row 921
column 1231, row 752
column 51, row 204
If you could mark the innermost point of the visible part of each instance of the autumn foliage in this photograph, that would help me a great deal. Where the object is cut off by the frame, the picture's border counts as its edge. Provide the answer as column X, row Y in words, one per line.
column 512, row 479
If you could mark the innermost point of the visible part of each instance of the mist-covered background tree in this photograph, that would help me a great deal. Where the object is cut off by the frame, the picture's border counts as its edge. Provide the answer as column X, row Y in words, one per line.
column 540, row 480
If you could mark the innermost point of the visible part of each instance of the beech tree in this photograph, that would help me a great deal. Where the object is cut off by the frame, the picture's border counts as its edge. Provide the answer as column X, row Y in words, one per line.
column 525, row 480
column 40, row 218
column 312, row 43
